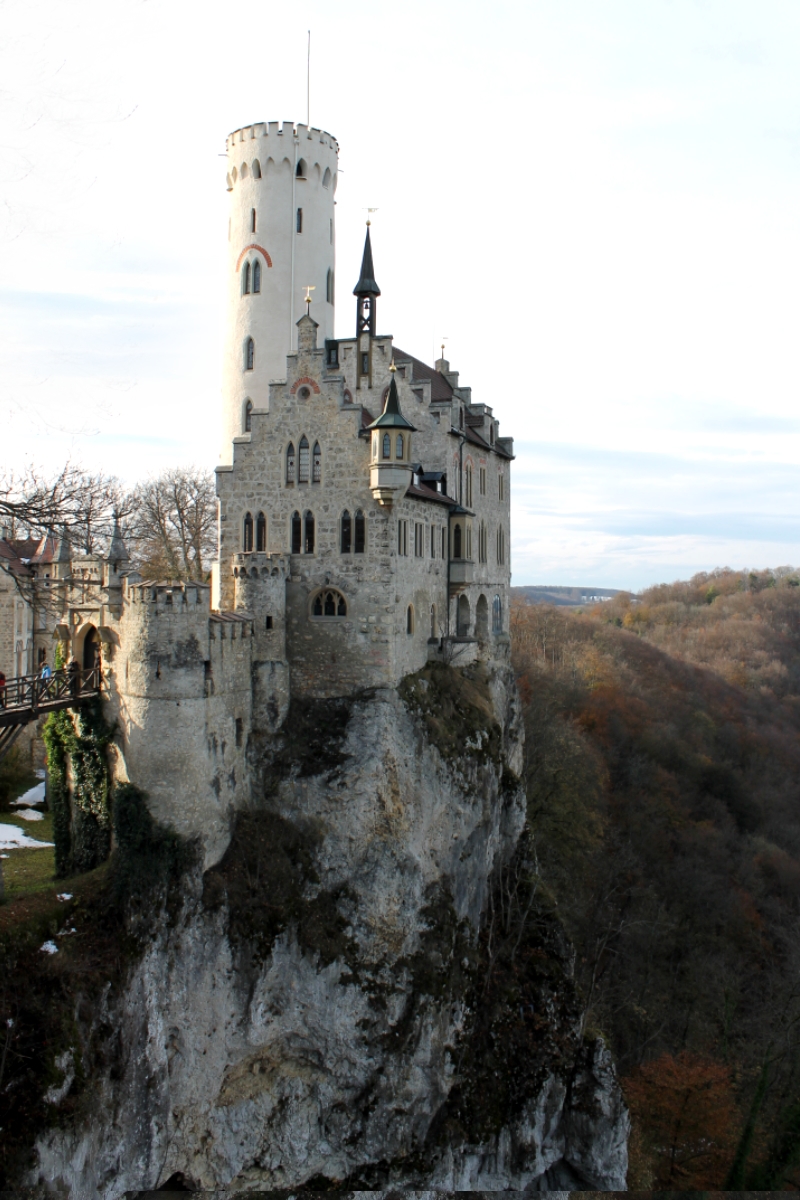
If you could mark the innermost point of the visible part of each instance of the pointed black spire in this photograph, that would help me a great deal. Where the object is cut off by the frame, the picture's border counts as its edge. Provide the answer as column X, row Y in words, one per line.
column 366, row 285
column 391, row 414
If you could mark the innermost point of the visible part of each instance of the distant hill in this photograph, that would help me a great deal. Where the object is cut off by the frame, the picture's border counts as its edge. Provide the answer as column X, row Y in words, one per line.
column 565, row 597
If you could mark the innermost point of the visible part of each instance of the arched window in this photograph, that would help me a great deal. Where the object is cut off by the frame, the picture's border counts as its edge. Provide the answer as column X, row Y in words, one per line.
column 246, row 279
column 247, row 534
column 497, row 615
column 303, row 460
column 308, row 533
column 256, row 169
column 501, row 545
column 244, row 171
column 457, row 541
column 468, row 485
column 316, row 466
column 329, row 287
column 261, row 533
column 249, row 354
column 346, row 532
column 410, row 619
column 361, row 532
column 433, row 622
column 290, row 463
column 326, row 178
column 248, row 416
column 329, row 604
column 482, row 618
column 297, row 533
column 256, row 276
column 300, row 172
column 462, row 617
column 387, row 446
column 398, row 450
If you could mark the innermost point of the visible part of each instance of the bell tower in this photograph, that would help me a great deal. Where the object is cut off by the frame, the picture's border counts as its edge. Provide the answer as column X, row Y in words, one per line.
column 366, row 292
column 281, row 182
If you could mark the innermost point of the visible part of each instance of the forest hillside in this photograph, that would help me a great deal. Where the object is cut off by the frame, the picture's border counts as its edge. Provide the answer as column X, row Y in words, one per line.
column 663, row 776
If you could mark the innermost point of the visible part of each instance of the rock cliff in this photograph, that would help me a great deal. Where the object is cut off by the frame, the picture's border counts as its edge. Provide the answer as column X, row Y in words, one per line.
column 367, row 991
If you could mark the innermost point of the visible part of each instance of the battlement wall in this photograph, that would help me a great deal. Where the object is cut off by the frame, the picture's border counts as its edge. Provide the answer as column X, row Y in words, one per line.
column 285, row 130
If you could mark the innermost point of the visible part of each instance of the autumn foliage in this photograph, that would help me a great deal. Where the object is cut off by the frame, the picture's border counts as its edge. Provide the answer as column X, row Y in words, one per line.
column 663, row 776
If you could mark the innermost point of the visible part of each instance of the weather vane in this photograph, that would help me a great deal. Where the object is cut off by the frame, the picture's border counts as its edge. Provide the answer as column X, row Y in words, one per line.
column 444, row 339
column 309, row 289
column 370, row 210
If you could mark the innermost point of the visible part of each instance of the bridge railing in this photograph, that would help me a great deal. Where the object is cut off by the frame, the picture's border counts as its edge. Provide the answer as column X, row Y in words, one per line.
column 33, row 692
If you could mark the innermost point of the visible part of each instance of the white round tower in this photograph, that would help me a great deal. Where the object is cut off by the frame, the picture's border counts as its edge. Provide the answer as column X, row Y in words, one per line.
column 281, row 240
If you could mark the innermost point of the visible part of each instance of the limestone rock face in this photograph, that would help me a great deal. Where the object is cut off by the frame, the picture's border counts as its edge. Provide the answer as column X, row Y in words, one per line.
column 321, row 1009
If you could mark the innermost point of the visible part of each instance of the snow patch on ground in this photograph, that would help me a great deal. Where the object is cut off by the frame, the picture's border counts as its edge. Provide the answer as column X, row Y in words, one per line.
column 11, row 836
column 34, row 795
column 30, row 814
column 48, row 948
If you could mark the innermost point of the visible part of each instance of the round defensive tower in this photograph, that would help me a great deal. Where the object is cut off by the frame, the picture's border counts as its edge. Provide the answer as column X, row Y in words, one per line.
column 281, row 240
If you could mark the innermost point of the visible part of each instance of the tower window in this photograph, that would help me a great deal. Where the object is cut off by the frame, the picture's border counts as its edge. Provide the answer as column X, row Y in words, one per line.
column 326, row 178
column 300, row 171
column 457, row 541
column 248, row 416
column 246, row 279
column 261, row 533
column 252, row 220
column 346, row 532
column 268, row 623
column 329, row 287
column 308, row 533
column 290, row 463
column 304, row 460
column 398, row 451
column 331, row 230
column 249, row 354
column 247, row 534
column 299, row 220
column 361, row 532
column 410, row 619
column 256, row 169
column 387, row 446
column 256, row 276
column 297, row 533
column 316, row 467
column 501, row 545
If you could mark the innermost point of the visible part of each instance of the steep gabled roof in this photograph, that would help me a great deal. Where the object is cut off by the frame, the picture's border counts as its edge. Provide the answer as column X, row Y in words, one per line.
column 440, row 388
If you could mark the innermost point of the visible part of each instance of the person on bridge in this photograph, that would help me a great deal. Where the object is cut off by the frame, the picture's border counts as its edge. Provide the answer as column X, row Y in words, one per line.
column 45, row 675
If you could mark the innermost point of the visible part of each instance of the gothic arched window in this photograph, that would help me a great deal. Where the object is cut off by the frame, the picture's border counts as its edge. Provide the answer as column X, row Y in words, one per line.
column 387, row 446
column 303, row 459
column 308, row 533
column 249, row 354
column 329, row 604
column 256, row 276
column 246, row 279
column 398, row 452
column 247, row 534
column 248, row 416
column 316, row 466
column 497, row 615
column 361, row 532
column 261, row 532
column 297, row 533
column 457, row 541
column 346, row 532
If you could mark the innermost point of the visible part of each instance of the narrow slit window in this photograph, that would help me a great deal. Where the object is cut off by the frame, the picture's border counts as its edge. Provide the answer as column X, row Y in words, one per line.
column 308, row 533
column 316, row 468
column 247, row 534
column 299, row 220
column 249, row 354
column 261, row 533
column 297, row 533
column 256, row 276
column 304, row 460
column 246, row 279
column 252, row 220
column 457, row 541
column 346, row 532
column 398, row 451
column 248, row 416
column 290, row 463
column 361, row 532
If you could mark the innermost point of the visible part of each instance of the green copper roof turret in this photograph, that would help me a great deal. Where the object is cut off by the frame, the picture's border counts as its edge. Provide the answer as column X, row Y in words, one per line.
column 391, row 415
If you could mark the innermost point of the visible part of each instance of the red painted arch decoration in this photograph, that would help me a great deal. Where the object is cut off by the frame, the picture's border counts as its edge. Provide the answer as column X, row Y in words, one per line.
column 253, row 246
column 306, row 379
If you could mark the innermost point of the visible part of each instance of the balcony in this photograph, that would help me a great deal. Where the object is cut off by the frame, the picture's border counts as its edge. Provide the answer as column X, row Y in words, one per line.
column 461, row 572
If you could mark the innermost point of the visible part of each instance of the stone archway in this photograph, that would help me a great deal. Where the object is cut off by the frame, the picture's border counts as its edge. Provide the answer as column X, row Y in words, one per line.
column 89, row 653
column 482, row 618
column 463, row 617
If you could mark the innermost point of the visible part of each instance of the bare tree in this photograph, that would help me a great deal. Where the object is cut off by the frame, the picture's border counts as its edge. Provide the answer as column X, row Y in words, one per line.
column 74, row 503
column 172, row 527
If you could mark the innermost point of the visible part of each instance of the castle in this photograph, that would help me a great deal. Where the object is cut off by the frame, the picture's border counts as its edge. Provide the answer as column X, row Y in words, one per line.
column 363, row 514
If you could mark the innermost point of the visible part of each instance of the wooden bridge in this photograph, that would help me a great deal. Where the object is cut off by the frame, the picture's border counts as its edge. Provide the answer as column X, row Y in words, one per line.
column 28, row 697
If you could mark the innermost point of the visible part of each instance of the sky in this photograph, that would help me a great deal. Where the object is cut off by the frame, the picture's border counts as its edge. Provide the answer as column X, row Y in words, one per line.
column 594, row 204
